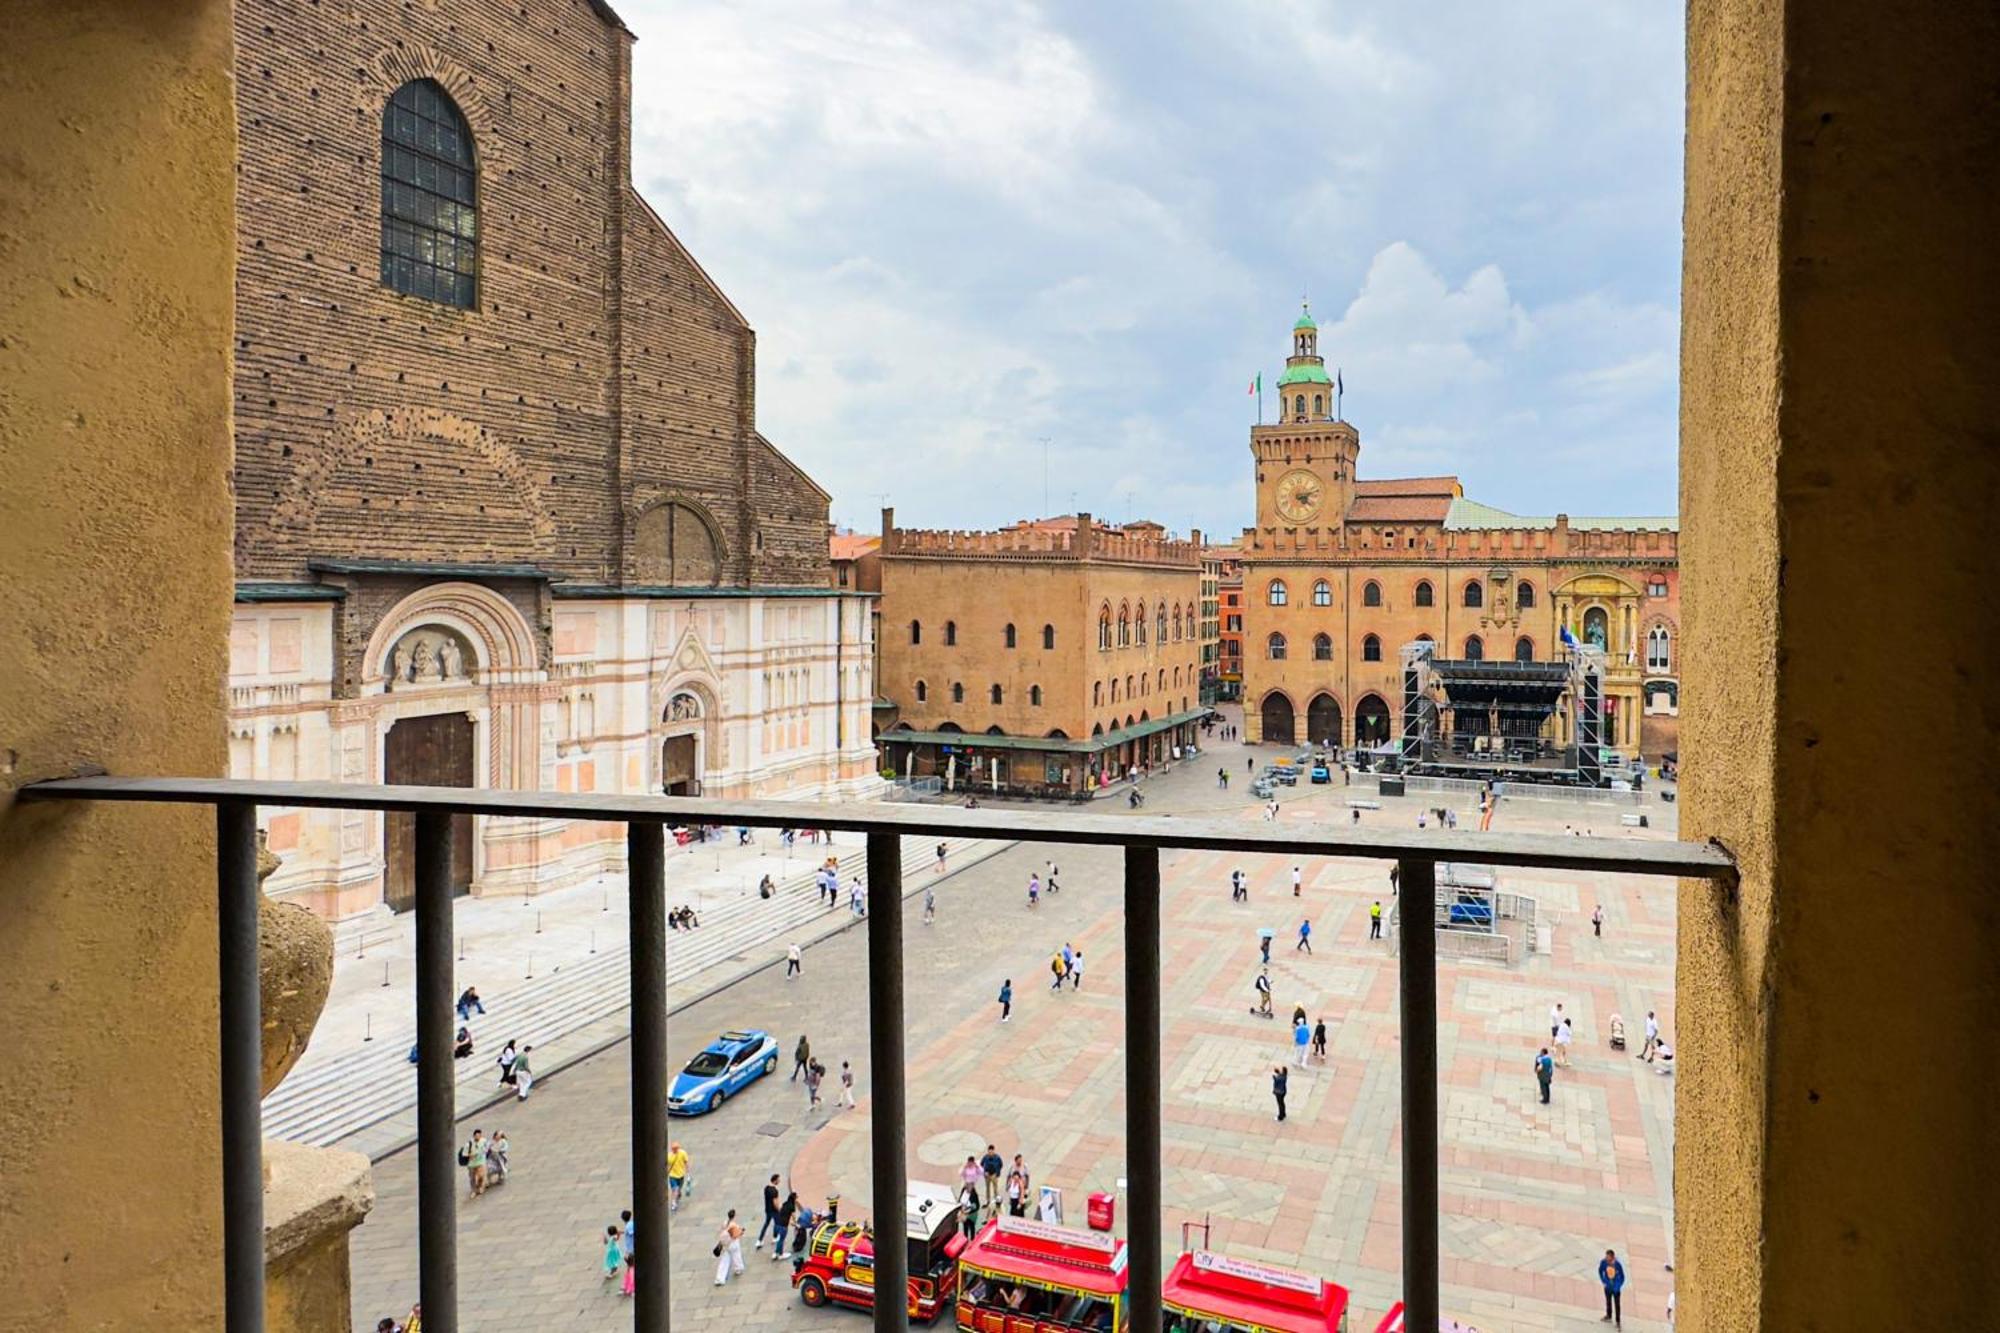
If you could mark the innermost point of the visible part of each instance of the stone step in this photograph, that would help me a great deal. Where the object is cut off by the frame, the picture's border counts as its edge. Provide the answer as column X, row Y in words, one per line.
column 337, row 1097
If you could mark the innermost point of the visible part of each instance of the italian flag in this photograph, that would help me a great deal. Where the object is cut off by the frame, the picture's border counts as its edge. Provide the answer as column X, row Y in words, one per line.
column 1257, row 383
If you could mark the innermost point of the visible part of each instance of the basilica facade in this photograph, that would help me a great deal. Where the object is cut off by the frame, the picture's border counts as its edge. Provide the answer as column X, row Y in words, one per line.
column 504, row 517
column 1341, row 571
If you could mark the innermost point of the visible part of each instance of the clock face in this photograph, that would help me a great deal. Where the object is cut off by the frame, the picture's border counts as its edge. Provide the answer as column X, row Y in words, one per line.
column 1298, row 495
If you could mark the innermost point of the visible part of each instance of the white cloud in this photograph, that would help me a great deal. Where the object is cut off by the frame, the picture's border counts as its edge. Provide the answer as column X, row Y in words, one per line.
column 961, row 228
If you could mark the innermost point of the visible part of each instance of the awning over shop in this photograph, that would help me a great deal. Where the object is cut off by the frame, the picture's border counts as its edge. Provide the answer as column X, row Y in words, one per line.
column 1110, row 740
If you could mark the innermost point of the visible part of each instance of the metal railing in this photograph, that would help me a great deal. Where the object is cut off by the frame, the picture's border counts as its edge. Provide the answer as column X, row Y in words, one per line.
column 645, row 818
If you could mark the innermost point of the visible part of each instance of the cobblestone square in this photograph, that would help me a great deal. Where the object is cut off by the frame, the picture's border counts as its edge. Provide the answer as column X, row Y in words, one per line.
column 1531, row 1195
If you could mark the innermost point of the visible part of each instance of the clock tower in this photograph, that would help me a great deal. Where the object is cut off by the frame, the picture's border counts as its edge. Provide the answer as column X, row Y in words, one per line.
column 1305, row 462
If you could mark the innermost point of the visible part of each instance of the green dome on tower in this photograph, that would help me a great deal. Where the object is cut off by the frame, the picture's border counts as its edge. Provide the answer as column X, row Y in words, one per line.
column 1305, row 322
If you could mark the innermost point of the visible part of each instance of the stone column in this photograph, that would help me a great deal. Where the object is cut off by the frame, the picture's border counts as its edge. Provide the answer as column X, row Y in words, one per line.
column 1840, row 384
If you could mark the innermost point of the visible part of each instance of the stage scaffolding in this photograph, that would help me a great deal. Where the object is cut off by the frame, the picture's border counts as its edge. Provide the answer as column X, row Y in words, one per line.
column 1493, row 721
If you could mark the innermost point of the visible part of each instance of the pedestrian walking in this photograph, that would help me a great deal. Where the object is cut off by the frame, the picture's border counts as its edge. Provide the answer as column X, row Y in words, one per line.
column 857, row 898
column 614, row 1256
column 506, row 1060
column 1545, row 1073
column 468, row 1003
column 814, row 1073
column 497, row 1149
column 930, row 904
column 1319, row 1041
column 1652, row 1045
column 1264, row 946
column 1034, row 889
column 1301, row 1042
column 677, row 1175
column 770, row 1223
column 524, row 1077
column 473, row 1158
column 1279, row 1080
column 1056, row 967
column 1395, row 874
column 846, row 1084
column 1305, row 936
column 792, row 960
column 1264, row 993
column 802, row 1227
column 1006, row 998
column 1076, row 971
column 991, row 1165
column 1054, row 870
column 728, row 1250
column 1612, row 1274
column 1222, row 778
column 1375, row 920
column 625, row 1236
column 802, row 1055
column 939, row 867
column 1555, row 1020
column 1563, row 1038
column 1250, row 764
column 1239, row 887
column 1597, row 921
column 1298, row 881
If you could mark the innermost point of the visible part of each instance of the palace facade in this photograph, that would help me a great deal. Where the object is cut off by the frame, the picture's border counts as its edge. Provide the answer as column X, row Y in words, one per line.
column 503, row 514
column 1341, row 571
column 1045, row 658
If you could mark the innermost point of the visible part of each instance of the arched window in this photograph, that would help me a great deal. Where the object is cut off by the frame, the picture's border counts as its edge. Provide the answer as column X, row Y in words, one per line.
column 1371, row 593
column 1524, row 649
column 1160, row 624
column 923, row 692
column 1048, row 637
column 957, row 692
column 1299, row 405
column 430, row 209
column 1177, row 624
column 1371, row 649
column 916, row 631
column 1103, row 631
column 1474, row 594
column 997, row 696
column 1322, row 648
column 1034, row 696
column 1163, row 678
column 1425, row 638
column 1114, row 689
column 1275, row 646
column 1322, row 593
column 1010, row 636
column 1424, row 595
column 1319, row 404
column 1659, row 649
column 1129, row 691
column 1475, row 649
column 1124, row 627
column 1096, row 693
column 1524, row 597
column 1275, row 595
column 950, row 633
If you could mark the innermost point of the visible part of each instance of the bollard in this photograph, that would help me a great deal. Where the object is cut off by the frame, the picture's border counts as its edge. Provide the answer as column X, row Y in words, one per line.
column 538, row 923
column 593, row 941
column 368, row 1027
column 531, row 968
column 385, row 974
column 361, row 944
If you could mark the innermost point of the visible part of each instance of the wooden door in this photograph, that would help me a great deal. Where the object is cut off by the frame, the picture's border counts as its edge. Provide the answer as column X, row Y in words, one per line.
column 433, row 751
column 677, row 760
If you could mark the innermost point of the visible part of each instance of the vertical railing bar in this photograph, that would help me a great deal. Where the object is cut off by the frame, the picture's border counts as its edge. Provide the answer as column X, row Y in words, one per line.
column 1142, row 1081
column 885, row 1072
column 1418, row 986
column 437, row 1087
column 241, row 1037
column 646, row 870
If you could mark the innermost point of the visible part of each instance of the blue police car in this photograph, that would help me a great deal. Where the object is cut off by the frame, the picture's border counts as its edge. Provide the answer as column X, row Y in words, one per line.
column 726, row 1066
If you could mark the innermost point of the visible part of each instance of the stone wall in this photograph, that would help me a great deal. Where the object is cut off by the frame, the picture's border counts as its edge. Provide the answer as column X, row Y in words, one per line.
column 115, row 301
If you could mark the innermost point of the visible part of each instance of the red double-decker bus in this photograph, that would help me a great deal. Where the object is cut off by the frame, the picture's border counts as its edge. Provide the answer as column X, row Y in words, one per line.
column 1022, row 1276
column 1211, row 1293
column 838, row 1266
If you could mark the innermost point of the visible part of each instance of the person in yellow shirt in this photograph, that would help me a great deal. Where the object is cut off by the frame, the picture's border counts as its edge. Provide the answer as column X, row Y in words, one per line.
column 677, row 1175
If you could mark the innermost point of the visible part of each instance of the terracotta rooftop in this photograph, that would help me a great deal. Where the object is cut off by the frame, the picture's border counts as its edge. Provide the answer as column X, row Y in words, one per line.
column 1399, row 508
column 1445, row 486
column 852, row 545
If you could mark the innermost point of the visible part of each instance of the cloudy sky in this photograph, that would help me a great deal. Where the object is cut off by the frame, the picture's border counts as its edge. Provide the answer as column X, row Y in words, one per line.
column 962, row 229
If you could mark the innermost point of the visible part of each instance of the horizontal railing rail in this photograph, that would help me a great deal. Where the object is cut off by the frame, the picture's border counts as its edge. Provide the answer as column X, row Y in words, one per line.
column 1143, row 837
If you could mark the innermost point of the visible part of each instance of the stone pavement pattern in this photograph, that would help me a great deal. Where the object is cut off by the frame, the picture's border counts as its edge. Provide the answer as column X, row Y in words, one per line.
column 1531, row 1195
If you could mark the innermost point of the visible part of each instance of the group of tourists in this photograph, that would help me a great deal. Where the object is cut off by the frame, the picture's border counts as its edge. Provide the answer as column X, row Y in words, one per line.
column 1066, row 964
column 485, row 1161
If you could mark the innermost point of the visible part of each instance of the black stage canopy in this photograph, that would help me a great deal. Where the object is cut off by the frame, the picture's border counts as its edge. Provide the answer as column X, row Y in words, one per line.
column 1512, row 687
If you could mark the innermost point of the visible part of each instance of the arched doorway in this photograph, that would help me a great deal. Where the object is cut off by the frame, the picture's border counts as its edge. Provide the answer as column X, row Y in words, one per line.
column 680, row 769
column 1371, row 720
column 434, row 750
column 1323, row 720
column 1279, row 724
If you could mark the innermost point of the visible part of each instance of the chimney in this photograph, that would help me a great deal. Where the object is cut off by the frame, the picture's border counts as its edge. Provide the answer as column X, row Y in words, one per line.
column 1083, row 533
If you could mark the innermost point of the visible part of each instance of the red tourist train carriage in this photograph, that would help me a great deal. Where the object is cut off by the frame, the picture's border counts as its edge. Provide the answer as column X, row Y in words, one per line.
column 1211, row 1293
column 1023, row 1276
column 838, row 1266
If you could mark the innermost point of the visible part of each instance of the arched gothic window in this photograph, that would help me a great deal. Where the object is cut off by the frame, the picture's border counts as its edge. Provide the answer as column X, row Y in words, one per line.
column 1160, row 624
column 1034, row 696
column 1475, row 649
column 923, row 692
column 957, row 692
column 1371, row 593
column 1322, row 593
column 1275, row 646
column 997, row 695
column 1524, row 649
column 1424, row 596
column 1103, row 632
column 1010, row 636
column 1524, row 597
column 950, row 633
column 1048, row 637
column 1276, row 594
column 430, row 208
column 1474, row 594
column 1371, row 649
column 1659, row 649
column 1322, row 648
column 916, row 631
column 1140, row 618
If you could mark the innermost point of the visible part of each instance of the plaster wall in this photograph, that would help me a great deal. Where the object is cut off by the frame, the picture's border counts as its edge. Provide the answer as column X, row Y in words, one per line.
column 115, row 302
column 1840, row 384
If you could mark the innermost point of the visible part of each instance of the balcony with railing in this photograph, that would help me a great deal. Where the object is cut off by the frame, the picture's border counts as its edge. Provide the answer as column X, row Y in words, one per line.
column 1142, row 839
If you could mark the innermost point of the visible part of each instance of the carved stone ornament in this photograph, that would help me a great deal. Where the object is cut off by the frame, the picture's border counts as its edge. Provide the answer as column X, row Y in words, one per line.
column 683, row 707
column 427, row 655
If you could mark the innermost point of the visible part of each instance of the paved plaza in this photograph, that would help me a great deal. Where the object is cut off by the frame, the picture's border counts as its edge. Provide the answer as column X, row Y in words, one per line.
column 1531, row 1195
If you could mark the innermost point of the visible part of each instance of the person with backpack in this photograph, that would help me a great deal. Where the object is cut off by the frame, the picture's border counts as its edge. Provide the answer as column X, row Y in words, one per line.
column 472, row 1156
column 801, row 1056
column 1545, row 1073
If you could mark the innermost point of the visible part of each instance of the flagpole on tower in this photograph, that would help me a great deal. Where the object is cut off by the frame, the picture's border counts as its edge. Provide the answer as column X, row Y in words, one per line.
column 1338, row 389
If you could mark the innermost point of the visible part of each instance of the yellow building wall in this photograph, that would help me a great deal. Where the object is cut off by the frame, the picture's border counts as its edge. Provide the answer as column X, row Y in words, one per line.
column 115, row 307
column 1840, row 381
